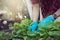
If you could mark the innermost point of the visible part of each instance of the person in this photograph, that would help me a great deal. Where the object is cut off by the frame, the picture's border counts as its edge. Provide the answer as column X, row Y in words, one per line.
column 50, row 11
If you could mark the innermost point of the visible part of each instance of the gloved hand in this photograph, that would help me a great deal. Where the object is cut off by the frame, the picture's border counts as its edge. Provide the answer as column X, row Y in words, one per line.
column 47, row 20
column 33, row 27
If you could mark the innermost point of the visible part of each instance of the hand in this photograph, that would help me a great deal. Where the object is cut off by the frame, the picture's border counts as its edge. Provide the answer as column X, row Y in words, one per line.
column 47, row 20
column 33, row 27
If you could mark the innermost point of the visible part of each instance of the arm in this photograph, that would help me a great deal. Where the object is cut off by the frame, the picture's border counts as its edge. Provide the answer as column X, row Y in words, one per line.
column 58, row 12
column 35, row 13
column 50, row 18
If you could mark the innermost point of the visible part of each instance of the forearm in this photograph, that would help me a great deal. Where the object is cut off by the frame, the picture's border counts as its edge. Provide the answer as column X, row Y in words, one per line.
column 56, row 14
column 35, row 13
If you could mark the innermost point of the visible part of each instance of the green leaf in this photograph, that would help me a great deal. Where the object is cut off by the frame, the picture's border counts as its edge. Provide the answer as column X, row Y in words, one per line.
column 54, row 33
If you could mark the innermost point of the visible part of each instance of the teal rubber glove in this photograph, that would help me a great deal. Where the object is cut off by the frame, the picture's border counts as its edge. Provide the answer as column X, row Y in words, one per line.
column 47, row 20
column 33, row 27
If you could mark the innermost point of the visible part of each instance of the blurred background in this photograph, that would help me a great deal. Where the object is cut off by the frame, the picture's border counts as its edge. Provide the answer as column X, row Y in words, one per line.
column 12, row 11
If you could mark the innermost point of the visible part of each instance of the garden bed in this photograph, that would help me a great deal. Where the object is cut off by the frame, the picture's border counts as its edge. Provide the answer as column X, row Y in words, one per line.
column 20, row 31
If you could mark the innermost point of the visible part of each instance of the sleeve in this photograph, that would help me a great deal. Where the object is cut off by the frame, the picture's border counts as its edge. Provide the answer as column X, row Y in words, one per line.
column 35, row 1
column 56, row 6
